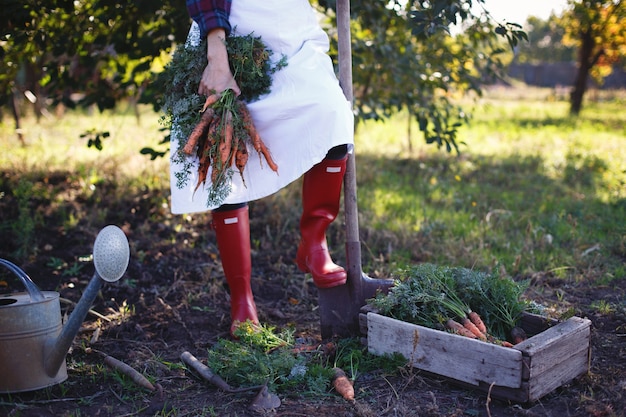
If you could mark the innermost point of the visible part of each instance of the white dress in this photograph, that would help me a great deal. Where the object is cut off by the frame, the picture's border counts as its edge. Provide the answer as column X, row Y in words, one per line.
column 304, row 115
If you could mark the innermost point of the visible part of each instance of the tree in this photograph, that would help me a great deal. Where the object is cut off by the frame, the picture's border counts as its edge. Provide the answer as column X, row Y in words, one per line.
column 545, row 42
column 597, row 28
column 405, row 58
column 99, row 52
column 83, row 53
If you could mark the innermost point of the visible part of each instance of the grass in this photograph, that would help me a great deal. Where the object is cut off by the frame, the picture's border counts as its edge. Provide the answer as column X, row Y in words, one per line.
column 533, row 189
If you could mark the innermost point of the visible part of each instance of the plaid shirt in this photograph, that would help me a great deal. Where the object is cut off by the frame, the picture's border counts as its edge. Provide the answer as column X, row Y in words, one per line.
column 210, row 14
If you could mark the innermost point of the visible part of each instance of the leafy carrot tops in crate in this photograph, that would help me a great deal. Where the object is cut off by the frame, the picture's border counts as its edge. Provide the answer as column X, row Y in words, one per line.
column 467, row 302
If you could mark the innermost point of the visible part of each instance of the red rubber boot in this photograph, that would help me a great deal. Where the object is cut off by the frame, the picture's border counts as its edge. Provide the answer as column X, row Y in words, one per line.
column 232, row 229
column 321, row 194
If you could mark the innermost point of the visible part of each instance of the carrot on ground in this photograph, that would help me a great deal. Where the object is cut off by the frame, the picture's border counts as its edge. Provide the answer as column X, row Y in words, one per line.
column 198, row 131
column 478, row 321
column 342, row 384
column 458, row 328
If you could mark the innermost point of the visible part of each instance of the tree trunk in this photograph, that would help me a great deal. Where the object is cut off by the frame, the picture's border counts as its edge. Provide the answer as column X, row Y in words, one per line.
column 585, row 62
column 16, row 117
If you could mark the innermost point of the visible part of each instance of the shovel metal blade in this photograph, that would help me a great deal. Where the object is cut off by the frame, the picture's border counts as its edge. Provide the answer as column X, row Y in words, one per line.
column 339, row 307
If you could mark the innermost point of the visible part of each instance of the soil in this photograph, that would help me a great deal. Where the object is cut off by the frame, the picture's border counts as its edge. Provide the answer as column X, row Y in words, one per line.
column 173, row 298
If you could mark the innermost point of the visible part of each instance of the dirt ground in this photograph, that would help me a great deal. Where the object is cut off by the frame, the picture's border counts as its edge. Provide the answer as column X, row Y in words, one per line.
column 173, row 299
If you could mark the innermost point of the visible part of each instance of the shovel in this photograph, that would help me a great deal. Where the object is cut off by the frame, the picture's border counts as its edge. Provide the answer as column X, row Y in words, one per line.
column 340, row 306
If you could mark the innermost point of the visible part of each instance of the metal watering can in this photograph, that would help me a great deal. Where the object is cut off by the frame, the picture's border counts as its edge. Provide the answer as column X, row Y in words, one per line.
column 33, row 341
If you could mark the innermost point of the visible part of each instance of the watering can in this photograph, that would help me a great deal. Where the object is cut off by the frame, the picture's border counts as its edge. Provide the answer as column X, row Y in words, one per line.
column 33, row 340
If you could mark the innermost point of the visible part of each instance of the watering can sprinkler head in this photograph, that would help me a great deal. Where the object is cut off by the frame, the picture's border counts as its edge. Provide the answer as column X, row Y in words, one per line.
column 111, row 255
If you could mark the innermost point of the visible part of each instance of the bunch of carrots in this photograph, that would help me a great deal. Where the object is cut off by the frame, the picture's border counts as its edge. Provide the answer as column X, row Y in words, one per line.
column 469, row 323
column 442, row 297
column 220, row 139
column 222, row 133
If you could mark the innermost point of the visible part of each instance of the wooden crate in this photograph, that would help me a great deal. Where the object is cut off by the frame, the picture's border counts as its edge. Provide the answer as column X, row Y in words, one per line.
column 556, row 354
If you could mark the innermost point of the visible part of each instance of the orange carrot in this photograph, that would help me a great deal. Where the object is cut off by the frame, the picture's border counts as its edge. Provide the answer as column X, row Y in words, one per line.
column 205, row 162
column 198, row 131
column 204, row 153
column 225, row 147
column 342, row 384
column 475, row 318
column 467, row 323
column 255, row 138
column 241, row 157
column 233, row 150
column 262, row 149
column 458, row 328
column 210, row 100
column 506, row 344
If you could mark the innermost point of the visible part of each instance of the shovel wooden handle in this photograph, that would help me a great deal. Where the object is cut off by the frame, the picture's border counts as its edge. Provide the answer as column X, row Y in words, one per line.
column 206, row 373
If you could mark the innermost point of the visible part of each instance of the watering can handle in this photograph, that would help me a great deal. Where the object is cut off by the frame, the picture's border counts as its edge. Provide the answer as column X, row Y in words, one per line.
column 34, row 292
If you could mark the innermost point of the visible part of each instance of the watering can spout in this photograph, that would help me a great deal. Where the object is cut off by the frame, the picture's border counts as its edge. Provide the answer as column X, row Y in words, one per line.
column 111, row 255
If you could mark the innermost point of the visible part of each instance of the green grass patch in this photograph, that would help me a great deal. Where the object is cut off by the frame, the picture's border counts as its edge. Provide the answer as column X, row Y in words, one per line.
column 533, row 189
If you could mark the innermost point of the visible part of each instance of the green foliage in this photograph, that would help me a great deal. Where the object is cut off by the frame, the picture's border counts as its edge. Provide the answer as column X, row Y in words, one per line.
column 100, row 52
column 428, row 295
column 405, row 59
column 264, row 355
column 545, row 42
column 101, row 49
column 261, row 357
column 94, row 138
column 25, row 227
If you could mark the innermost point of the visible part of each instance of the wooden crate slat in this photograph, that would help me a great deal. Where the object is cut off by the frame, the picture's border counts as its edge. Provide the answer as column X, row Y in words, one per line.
column 557, row 355
column 443, row 353
column 563, row 372
column 556, row 338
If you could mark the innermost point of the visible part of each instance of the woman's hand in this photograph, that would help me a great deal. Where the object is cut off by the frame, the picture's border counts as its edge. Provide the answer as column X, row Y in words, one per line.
column 217, row 76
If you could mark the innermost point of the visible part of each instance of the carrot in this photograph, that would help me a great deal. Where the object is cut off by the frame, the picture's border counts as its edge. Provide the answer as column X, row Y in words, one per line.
column 199, row 131
column 226, row 145
column 210, row 100
column 458, row 328
column 506, row 344
column 255, row 138
column 205, row 162
column 467, row 323
column 342, row 384
column 241, row 157
column 125, row 369
column 204, row 154
column 475, row 318
column 262, row 149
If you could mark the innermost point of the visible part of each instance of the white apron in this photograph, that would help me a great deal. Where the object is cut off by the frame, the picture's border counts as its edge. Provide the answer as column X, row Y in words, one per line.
column 304, row 115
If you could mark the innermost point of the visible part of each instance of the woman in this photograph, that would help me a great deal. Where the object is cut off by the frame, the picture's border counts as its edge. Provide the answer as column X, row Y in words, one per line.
column 305, row 121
